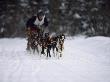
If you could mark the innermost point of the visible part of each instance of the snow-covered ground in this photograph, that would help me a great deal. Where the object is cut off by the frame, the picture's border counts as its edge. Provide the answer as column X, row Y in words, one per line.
column 84, row 60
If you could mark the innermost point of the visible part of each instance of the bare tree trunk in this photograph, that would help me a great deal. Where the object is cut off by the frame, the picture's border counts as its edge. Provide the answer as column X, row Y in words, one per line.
column 54, row 10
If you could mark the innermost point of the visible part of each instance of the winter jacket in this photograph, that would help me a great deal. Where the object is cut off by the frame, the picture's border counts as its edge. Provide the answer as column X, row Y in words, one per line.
column 34, row 22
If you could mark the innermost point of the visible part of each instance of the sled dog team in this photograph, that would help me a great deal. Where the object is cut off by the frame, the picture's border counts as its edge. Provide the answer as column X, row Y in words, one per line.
column 46, row 45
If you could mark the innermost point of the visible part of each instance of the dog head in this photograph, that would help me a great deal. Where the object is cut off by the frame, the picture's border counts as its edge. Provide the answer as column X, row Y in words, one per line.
column 62, row 37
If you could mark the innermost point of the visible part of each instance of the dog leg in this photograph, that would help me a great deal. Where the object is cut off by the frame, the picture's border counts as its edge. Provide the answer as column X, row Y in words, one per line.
column 54, row 51
column 48, row 51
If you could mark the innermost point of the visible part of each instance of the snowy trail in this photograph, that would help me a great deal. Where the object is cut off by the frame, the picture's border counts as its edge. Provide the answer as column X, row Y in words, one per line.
column 84, row 60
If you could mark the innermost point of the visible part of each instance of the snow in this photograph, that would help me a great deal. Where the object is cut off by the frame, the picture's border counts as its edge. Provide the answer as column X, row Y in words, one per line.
column 24, row 4
column 63, row 6
column 94, row 9
column 84, row 60
column 77, row 16
column 2, row 29
column 84, row 24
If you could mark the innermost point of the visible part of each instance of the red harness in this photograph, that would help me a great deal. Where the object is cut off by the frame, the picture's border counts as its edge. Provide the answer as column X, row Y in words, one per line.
column 34, row 29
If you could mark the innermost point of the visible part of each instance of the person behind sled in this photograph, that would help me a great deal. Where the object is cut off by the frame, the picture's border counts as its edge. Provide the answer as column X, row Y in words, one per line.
column 33, row 28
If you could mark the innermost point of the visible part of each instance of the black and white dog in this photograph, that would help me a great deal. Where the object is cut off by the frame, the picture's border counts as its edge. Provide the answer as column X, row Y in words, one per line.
column 58, row 44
